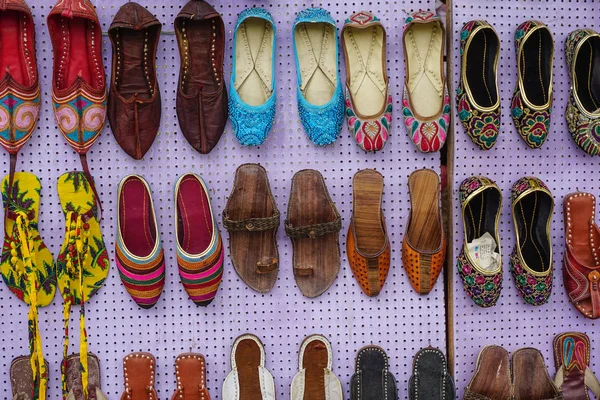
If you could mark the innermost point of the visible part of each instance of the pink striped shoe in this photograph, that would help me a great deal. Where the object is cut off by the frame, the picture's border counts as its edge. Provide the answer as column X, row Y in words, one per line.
column 139, row 251
column 199, row 247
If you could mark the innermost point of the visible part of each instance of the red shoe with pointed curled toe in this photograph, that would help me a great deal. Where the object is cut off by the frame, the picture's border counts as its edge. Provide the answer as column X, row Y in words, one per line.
column 78, row 81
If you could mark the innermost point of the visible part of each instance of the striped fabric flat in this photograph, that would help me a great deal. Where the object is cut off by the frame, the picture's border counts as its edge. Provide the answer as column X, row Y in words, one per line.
column 199, row 246
column 139, row 251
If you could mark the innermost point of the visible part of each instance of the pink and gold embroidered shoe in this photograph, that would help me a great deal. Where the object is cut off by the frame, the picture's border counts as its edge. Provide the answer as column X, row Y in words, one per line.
column 425, row 102
column 368, row 96
column 19, row 81
column 78, row 81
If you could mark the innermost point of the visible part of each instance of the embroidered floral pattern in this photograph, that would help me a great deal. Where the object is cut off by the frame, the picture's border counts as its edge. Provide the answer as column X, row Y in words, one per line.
column 535, row 289
column 369, row 134
column 421, row 16
column 584, row 127
column 526, row 183
column 18, row 117
column 427, row 136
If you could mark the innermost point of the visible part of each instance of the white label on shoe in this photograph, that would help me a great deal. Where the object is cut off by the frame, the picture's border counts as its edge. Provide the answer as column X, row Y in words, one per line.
column 483, row 251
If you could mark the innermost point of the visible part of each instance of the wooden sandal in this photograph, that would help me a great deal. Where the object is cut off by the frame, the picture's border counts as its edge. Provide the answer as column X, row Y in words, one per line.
column 252, row 219
column 424, row 244
column 492, row 376
column 313, row 223
column 530, row 377
column 572, row 359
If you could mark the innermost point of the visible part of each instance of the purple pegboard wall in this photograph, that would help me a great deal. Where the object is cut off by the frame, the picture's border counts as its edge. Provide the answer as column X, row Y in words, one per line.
column 559, row 163
column 399, row 320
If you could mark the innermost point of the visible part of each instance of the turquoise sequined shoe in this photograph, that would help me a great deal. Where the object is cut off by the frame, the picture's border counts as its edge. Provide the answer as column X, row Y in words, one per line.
column 320, row 96
column 252, row 89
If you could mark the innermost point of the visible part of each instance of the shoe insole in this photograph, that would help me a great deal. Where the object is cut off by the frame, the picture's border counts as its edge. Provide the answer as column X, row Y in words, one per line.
column 425, row 230
column 251, row 198
column 135, row 65
column 365, row 68
column 532, row 214
column 367, row 216
column 191, row 376
column 536, row 66
column 423, row 44
column 531, row 379
column 200, row 76
column 309, row 204
column 492, row 377
column 195, row 224
column 315, row 359
column 481, row 69
column 11, row 50
column 587, row 74
column 140, row 371
column 136, row 219
column 247, row 361
column 432, row 379
column 315, row 44
column 372, row 368
column 254, row 62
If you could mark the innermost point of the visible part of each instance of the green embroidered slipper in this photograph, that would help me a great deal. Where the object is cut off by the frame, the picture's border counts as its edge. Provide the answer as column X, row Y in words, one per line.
column 26, row 263
column 82, row 264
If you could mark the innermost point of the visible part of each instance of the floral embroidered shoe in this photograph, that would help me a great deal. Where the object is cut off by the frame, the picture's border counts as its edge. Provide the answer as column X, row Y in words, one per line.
column 26, row 264
column 531, row 260
column 480, row 260
column 82, row 264
column 478, row 103
column 252, row 89
column 78, row 82
column 531, row 104
column 425, row 102
column 582, row 50
column 19, row 85
column 320, row 98
column 368, row 96
column 199, row 245
column 138, row 252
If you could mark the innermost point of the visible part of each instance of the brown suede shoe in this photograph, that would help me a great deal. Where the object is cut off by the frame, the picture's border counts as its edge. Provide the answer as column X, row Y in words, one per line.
column 134, row 100
column 201, row 92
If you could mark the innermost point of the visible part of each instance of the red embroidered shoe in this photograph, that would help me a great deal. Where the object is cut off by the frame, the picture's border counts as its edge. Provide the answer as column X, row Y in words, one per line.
column 19, row 83
column 78, row 81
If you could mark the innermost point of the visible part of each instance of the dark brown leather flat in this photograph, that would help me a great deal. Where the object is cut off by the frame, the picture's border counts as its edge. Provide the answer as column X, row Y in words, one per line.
column 134, row 105
column 252, row 219
column 313, row 223
column 201, row 93
column 531, row 380
column 491, row 380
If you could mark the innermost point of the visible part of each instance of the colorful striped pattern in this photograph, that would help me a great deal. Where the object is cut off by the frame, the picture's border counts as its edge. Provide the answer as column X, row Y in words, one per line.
column 143, row 280
column 201, row 274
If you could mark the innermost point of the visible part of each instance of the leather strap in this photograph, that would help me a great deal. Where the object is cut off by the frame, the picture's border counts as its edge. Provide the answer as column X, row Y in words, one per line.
column 313, row 231
column 90, row 178
column 304, row 271
column 594, row 278
column 590, row 380
column 252, row 224
column 263, row 268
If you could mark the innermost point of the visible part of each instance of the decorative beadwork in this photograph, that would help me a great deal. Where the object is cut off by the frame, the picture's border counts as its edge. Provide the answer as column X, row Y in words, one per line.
column 535, row 289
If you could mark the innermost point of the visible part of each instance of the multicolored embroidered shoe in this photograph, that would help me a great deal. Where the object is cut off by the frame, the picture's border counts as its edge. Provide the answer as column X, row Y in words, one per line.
column 82, row 265
column 19, row 85
column 252, row 90
column 139, row 252
column 582, row 48
column 368, row 95
column 531, row 260
column 478, row 103
column 531, row 104
column 425, row 102
column 26, row 264
column 78, row 82
column 199, row 245
column 480, row 260
column 320, row 98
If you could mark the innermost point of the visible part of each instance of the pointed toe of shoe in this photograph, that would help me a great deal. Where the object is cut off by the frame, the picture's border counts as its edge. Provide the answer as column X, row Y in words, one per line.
column 322, row 124
column 251, row 125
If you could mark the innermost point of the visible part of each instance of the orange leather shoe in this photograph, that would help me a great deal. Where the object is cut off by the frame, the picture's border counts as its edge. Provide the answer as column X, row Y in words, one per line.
column 424, row 244
column 367, row 245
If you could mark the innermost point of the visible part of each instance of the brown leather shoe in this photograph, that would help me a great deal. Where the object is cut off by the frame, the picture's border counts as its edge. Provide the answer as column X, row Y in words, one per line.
column 424, row 244
column 491, row 379
column 134, row 99
column 367, row 244
column 530, row 377
column 201, row 92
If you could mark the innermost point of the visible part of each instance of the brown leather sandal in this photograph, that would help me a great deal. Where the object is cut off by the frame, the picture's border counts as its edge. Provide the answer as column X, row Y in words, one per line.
column 572, row 359
column 252, row 218
column 73, row 377
column 139, row 371
column 190, row 371
column 530, row 377
column 313, row 223
column 491, row 380
column 367, row 244
column 424, row 244
column 21, row 378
